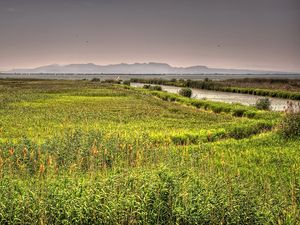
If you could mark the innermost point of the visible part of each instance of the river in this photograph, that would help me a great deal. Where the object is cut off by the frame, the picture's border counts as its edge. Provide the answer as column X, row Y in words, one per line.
column 277, row 104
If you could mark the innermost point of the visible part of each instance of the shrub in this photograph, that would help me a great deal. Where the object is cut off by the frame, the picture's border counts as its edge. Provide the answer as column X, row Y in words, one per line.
column 156, row 88
column 290, row 125
column 186, row 92
column 153, row 88
column 95, row 80
column 111, row 81
column 263, row 104
column 126, row 82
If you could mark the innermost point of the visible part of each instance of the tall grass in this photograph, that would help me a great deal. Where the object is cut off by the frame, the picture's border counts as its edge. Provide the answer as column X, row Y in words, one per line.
column 92, row 153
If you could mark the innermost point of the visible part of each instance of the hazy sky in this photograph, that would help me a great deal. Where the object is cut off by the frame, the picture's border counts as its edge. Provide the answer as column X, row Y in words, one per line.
column 251, row 34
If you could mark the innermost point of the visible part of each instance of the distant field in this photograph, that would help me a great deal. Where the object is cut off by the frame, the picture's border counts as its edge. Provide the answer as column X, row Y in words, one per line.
column 82, row 152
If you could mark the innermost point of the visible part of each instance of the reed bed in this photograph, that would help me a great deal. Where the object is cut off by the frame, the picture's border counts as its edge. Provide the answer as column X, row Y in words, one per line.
column 80, row 152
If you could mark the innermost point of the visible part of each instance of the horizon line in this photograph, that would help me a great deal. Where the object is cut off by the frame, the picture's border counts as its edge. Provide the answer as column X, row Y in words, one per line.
column 149, row 62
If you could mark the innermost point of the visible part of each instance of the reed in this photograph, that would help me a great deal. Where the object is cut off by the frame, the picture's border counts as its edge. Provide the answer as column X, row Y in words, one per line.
column 81, row 152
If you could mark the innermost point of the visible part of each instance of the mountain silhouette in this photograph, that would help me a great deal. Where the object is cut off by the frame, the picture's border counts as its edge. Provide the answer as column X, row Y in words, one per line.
column 135, row 68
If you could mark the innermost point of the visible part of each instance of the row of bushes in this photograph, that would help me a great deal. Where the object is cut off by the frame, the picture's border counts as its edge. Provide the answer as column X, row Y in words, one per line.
column 236, row 110
column 263, row 92
column 152, row 87
column 108, row 81
column 185, row 92
column 211, row 85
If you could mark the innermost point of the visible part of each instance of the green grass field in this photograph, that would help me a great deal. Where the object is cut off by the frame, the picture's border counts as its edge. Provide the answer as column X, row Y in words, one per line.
column 81, row 152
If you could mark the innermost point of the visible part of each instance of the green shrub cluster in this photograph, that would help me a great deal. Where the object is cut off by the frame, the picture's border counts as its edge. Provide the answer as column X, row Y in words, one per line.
column 126, row 82
column 263, row 104
column 290, row 125
column 186, row 92
column 95, row 79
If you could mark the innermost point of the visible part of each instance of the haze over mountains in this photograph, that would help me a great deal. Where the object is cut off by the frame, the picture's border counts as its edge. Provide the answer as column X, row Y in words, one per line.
column 136, row 68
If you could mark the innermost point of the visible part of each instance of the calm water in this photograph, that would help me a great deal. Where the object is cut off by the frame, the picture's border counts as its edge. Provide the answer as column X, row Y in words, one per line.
column 277, row 104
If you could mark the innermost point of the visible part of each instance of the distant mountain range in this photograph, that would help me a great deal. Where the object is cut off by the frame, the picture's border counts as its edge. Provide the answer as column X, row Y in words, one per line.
column 136, row 68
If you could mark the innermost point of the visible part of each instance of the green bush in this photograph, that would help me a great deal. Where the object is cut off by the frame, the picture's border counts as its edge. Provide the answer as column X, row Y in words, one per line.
column 111, row 81
column 95, row 80
column 126, row 82
column 263, row 104
column 186, row 92
column 153, row 88
column 290, row 125
column 156, row 88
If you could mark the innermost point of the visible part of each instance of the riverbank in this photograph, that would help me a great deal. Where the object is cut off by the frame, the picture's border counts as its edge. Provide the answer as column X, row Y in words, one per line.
column 277, row 104
column 208, row 84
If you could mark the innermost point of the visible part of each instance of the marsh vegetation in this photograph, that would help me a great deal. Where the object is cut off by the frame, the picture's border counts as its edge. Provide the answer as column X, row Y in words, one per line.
column 82, row 152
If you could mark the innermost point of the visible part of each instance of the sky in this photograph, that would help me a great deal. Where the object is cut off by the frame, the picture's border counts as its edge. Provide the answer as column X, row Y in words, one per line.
column 256, row 34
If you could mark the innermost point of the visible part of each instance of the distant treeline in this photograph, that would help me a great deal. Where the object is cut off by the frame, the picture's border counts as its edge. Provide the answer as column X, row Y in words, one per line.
column 263, row 80
column 291, row 85
column 208, row 84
